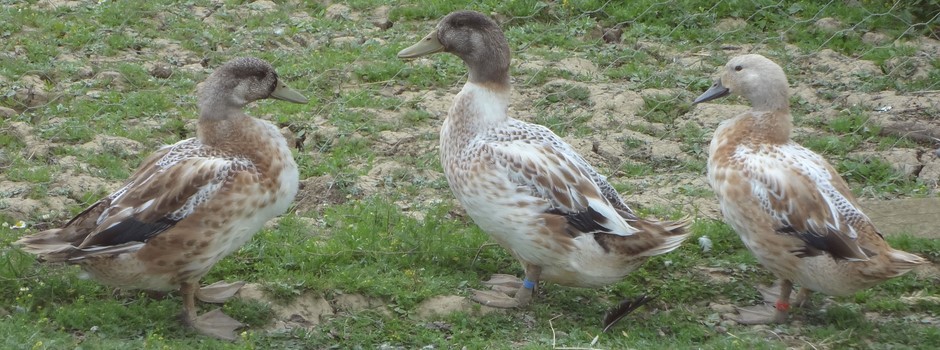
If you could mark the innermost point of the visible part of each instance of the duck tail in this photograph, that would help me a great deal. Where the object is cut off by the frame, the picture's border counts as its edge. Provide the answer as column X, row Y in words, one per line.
column 48, row 245
column 901, row 262
column 671, row 234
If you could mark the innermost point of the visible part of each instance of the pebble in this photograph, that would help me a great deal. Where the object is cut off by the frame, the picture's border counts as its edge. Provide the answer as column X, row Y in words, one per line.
column 6, row 112
column 161, row 70
column 337, row 12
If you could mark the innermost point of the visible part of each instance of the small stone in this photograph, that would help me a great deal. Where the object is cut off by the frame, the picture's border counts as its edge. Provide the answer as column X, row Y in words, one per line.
column 374, row 42
column 721, row 308
column 346, row 41
column 199, row 12
column 111, row 77
column 66, row 58
column 730, row 24
column 613, row 35
column 193, row 68
column 338, row 12
column 380, row 18
column 84, row 72
column 829, row 24
column 161, row 70
column 32, row 92
column 53, row 4
column 6, row 112
column 578, row 66
column 263, row 5
column 383, row 24
column 874, row 38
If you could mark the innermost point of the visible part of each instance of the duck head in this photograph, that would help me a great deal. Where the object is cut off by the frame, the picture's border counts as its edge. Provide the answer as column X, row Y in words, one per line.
column 754, row 77
column 239, row 82
column 473, row 37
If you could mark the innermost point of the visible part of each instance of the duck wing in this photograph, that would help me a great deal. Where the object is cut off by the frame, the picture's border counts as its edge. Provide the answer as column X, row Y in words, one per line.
column 806, row 198
column 538, row 160
column 168, row 187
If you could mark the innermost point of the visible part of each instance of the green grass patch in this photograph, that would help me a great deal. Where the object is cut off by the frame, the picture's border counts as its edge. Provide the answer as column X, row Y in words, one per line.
column 664, row 108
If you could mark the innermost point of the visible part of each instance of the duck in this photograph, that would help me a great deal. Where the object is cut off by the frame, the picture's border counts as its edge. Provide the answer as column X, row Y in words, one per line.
column 527, row 188
column 190, row 204
column 789, row 206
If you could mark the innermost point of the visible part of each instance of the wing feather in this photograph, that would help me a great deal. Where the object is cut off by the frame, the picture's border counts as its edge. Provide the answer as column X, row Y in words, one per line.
column 556, row 174
column 162, row 193
column 805, row 197
column 517, row 130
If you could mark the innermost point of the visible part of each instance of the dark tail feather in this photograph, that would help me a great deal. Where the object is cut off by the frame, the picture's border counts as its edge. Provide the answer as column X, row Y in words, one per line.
column 613, row 316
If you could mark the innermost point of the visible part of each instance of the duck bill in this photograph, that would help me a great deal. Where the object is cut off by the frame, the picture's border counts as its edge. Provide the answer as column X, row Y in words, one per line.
column 426, row 46
column 716, row 91
column 284, row 92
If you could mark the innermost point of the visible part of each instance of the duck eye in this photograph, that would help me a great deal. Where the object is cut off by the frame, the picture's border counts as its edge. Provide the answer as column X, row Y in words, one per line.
column 738, row 68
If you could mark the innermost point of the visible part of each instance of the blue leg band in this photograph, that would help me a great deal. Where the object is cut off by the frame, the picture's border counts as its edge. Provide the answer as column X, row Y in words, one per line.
column 528, row 284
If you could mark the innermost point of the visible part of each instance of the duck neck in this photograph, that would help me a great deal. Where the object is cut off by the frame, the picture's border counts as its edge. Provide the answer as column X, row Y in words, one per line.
column 774, row 126
column 770, row 105
column 492, row 74
column 218, row 129
column 489, row 64
column 476, row 108
column 215, row 105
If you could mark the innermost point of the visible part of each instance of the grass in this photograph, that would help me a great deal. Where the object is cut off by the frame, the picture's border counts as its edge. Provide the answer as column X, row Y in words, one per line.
column 74, row 73
column 664, row 109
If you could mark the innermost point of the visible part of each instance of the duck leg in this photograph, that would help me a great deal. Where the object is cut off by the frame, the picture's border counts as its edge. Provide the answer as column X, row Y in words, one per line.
column 214, row 323
column 803, row 297
column 219, row 292
column 529, row 285
column 504, row 286
column 772, row 293
column 763, row 314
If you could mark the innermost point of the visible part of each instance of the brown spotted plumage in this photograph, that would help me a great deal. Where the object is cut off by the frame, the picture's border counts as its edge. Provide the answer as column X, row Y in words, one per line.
column 189, row 204
column 790, row 207
column 527, row 188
